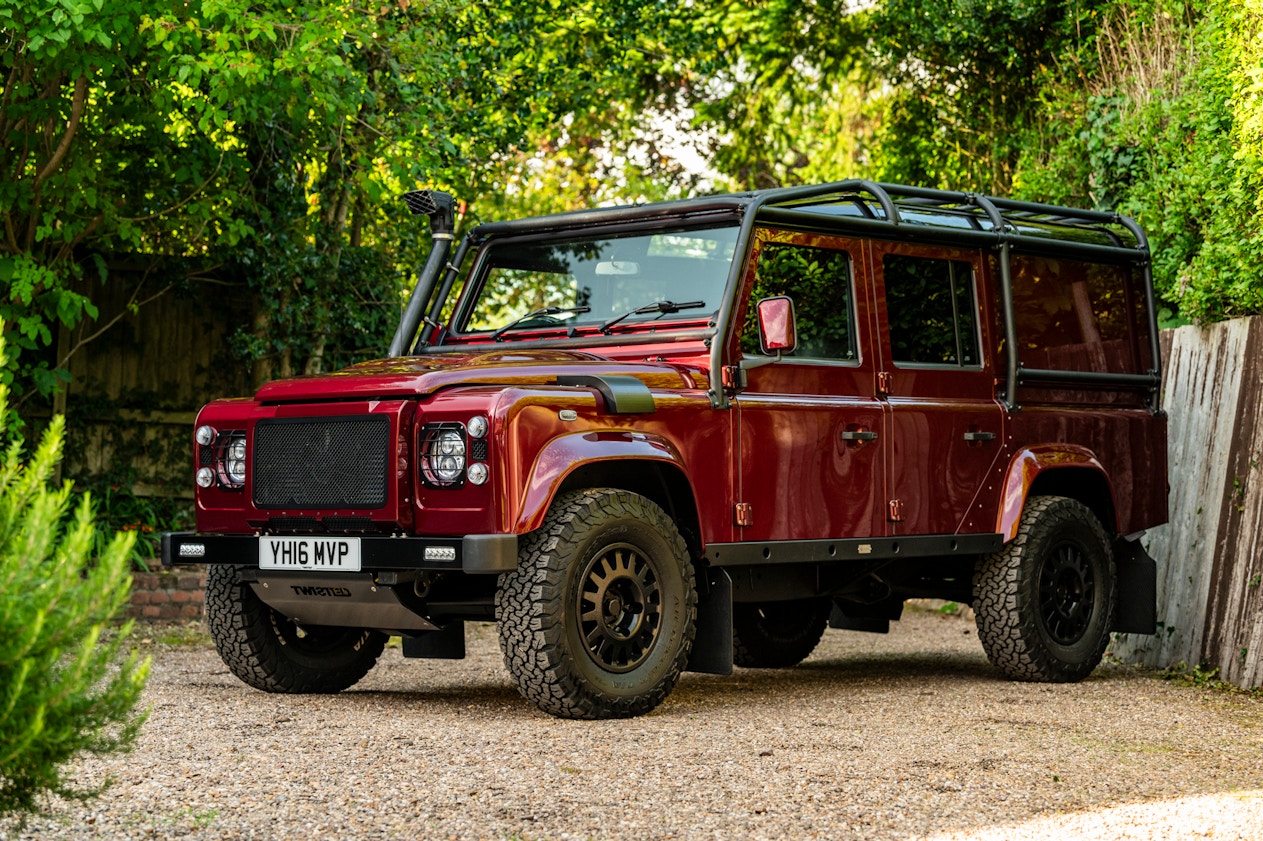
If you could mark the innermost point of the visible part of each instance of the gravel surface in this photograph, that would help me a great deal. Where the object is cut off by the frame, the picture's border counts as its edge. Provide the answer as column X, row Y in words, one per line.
column 910, row 735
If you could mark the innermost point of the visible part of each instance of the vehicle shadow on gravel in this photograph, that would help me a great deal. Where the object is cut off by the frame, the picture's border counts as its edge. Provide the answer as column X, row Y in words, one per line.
column 886, row 673
column 864, row 671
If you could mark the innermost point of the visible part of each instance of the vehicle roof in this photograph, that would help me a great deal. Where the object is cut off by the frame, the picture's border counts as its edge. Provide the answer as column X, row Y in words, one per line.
column 885, row 210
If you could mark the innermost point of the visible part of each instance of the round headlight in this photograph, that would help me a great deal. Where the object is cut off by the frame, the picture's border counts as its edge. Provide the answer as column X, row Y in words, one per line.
column 478, row 473
column 205, row 477
column 446, row 456
column 237, row 452
column 237, row 471
column 477, row 426
column 205, row 435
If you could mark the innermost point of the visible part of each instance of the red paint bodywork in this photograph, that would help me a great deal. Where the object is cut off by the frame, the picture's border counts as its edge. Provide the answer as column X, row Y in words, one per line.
column 783, row 449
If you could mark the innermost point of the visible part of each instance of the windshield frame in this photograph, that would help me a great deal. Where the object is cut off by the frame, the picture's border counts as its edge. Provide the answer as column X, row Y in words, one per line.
column 684, row 325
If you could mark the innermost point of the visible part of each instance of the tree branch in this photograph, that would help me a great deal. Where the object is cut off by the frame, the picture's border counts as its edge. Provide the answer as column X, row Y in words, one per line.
column 72, row 125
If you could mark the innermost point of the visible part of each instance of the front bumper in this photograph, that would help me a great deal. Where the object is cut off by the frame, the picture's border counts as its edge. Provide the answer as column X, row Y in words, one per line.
column 475, row 553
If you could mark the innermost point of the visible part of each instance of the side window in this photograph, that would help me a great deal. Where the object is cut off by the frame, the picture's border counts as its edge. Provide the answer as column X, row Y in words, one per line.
column 932, row 312
column 819, row 282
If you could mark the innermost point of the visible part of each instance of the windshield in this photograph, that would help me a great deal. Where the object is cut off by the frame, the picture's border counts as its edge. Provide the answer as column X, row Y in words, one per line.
column 592, row 281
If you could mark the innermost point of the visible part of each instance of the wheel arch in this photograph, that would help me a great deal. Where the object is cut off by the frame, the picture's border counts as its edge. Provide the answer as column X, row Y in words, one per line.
column 1056, row 470
column 648, row 465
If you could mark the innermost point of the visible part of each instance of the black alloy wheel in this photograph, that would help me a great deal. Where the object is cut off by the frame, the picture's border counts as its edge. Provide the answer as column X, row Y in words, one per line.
column 619, row 603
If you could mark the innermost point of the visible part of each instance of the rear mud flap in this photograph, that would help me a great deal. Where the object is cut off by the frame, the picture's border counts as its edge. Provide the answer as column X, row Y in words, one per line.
column 1137, row 589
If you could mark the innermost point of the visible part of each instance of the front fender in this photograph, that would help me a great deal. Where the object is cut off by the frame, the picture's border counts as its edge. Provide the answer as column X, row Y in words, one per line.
column 1027, row 465
column 566, row 453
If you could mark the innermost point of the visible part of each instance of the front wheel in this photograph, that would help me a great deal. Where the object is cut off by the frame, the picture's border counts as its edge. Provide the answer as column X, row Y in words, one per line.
column 598, row 619
column 1044, row 604
column 269, row 652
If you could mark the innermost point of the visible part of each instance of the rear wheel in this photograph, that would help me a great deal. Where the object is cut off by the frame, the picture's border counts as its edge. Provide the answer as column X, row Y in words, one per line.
column 598, row 619
column 776, row 635
column 1045, row 602
column 271, row 653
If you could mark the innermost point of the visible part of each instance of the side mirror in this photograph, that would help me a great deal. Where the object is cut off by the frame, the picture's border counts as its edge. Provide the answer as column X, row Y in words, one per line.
column 777, row 330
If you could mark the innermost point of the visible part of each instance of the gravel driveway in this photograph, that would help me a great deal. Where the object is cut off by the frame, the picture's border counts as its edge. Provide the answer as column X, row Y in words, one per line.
column 907, row 735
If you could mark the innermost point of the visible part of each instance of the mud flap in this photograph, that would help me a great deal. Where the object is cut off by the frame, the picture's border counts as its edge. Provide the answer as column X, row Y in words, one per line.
column 712, row 641
column 1137, row 589
column 447, row 643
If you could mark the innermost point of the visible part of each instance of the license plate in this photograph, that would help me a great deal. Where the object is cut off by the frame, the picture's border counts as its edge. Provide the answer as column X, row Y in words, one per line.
column 337, row 554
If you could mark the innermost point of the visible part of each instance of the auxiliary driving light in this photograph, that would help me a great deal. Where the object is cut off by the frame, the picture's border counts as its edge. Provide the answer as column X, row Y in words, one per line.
column 478, row 473
column 205, row 477
column 205, row 435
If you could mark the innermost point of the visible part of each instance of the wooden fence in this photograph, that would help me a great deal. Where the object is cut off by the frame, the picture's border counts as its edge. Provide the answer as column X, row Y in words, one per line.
column 1210, row 554
column 136, row 387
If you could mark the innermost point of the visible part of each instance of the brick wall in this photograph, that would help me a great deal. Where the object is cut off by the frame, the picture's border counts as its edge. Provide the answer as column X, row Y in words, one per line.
column 167, row 595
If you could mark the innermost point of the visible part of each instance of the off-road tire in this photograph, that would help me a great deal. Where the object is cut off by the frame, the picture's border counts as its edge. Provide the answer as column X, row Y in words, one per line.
column 263, row 648
column 571, row 628
column 777, row 635
column 1044, row 604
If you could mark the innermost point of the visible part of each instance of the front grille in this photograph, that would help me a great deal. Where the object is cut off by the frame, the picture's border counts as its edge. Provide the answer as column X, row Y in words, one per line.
column 321, row 462
column 294, row 525
column 350, row 525
column 315, row 525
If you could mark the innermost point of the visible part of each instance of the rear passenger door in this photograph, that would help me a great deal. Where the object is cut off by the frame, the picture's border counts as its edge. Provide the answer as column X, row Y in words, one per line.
column 810, row 455
column 946, row 425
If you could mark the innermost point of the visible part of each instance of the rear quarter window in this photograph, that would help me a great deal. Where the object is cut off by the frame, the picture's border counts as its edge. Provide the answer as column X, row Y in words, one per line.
column 1076, row 316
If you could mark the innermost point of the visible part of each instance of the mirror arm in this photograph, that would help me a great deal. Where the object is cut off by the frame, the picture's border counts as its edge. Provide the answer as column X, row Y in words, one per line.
column 749, row 363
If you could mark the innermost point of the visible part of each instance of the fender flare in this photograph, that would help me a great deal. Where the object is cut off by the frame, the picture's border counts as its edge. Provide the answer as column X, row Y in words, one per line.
column 1027, row 464
column 565, row 454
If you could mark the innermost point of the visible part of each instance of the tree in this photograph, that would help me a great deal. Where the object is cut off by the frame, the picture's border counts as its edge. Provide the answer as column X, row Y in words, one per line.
column 67, row 687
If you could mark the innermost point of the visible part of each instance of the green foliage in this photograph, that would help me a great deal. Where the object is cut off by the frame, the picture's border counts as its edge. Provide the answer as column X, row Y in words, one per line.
column 1159, row 127
column 66, row 685
column 1150, row 107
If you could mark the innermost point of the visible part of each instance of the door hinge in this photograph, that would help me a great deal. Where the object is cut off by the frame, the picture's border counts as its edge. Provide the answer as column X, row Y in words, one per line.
column 883, row 383
column 733, row 377
column 896, row 510
column 743, row 514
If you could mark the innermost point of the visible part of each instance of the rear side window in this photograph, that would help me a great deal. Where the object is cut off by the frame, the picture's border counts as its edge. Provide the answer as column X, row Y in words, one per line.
column 1075, row 316
column 932, row 311
column 819, row 282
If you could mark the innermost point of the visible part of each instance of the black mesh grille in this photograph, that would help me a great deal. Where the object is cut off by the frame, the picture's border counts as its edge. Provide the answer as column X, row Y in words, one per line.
column 294, row 525
column 478, row 449
column 350, row 524
column 321, row 462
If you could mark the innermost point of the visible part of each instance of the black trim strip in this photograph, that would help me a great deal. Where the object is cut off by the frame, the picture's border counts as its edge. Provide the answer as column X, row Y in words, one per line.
column 850, row 549
column 479, row 553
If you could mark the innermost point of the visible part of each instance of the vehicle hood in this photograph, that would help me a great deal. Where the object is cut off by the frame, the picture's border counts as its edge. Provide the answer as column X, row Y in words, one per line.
column 412, row 376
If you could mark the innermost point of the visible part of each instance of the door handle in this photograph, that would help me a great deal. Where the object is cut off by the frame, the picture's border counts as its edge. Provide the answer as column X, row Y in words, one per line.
column 979, row 436
column 858, row 435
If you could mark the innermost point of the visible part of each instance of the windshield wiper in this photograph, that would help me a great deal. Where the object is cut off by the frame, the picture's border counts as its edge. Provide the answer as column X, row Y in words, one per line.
column 660, row 307
column 542, row 311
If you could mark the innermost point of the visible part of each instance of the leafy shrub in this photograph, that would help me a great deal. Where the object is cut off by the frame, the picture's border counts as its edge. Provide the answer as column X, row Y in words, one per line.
column 66, row 685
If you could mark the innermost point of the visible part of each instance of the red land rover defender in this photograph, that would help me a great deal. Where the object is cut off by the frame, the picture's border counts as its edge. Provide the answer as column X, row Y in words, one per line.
column 688, row 435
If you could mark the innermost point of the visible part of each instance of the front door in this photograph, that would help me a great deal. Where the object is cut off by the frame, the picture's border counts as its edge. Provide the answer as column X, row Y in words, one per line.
column 810, row 445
